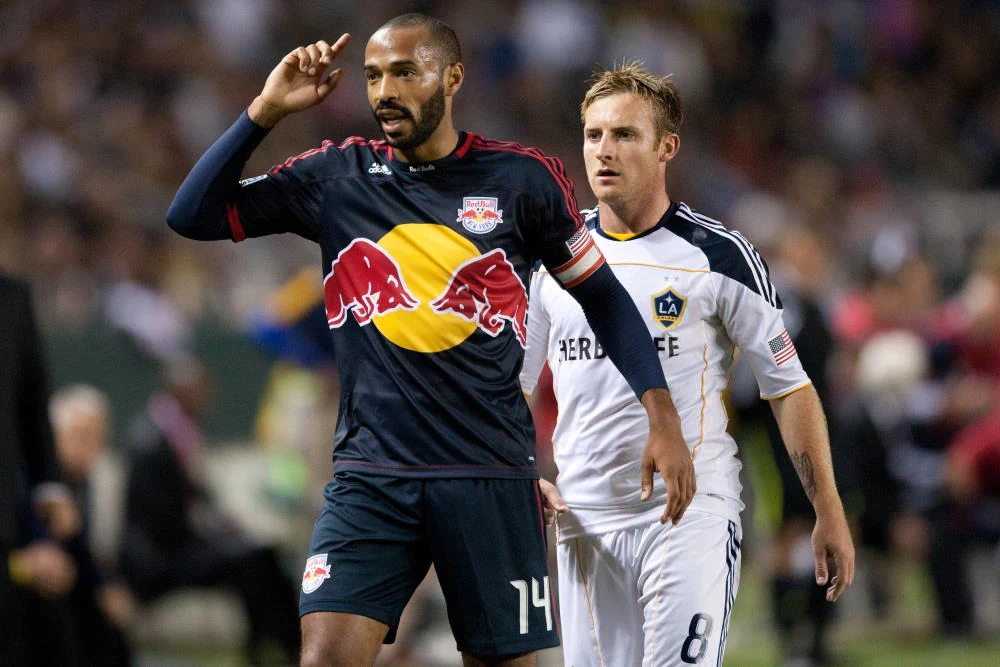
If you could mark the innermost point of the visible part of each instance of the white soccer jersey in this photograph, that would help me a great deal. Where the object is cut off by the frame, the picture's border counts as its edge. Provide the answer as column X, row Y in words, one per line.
column 703, row 291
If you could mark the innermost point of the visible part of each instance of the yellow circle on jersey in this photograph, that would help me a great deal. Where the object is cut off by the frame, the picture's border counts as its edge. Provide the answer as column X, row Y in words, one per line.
column 427, row 255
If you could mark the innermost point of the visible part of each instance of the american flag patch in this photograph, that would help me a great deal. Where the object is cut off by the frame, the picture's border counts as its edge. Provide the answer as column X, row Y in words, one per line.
column 585, row 258
column 578, row 241
column 782, row 348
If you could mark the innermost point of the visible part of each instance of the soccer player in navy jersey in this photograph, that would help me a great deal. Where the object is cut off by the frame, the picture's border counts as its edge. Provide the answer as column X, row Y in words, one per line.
column 427, row 239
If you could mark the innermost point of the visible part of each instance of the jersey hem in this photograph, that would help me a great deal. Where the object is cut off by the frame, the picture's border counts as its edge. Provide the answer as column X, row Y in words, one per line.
column 591, row 522
column 437, row 471
column 807, row 383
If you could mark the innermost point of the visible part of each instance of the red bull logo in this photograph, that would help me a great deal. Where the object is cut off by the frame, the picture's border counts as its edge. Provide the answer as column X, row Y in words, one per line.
column 364, row 280
column 479, row 215
column 486, row 290
column 317, row 571
column 426, row 288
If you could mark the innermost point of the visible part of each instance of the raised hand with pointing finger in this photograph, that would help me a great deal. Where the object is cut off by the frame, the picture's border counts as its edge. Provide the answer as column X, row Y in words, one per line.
column 298, row 82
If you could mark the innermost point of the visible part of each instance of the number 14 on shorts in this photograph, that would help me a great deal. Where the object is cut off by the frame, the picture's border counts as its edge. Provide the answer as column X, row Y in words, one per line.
column 539, row 598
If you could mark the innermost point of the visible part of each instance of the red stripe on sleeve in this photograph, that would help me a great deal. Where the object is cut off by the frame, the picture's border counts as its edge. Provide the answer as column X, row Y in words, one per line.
column 235, row 226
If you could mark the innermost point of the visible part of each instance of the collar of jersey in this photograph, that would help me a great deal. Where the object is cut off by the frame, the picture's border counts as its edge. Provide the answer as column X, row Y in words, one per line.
column 461, row 148
column 663, row 222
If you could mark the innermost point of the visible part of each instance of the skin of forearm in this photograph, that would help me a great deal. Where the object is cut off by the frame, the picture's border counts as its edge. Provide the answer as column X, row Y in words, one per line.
column 264, row 114
column 659, row 407
column 803, row 428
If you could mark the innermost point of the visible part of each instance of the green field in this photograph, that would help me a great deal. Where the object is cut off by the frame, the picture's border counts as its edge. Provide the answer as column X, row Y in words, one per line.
column 905, row 639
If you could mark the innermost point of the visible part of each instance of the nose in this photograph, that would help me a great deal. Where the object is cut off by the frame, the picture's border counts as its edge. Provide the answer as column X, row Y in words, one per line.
column 604, row 148
column 385, row 89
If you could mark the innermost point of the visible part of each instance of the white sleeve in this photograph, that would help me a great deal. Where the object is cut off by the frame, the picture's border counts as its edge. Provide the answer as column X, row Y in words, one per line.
column 538, row 336
column 755, row 325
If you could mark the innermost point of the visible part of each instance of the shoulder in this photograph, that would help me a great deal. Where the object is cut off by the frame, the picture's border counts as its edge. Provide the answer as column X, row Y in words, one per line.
column 728, row 252
column 517, row 155
column 351, row 147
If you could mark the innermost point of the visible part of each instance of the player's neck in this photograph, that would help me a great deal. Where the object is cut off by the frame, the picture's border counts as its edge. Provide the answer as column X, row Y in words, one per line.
column 633, row 217
column 439, row 145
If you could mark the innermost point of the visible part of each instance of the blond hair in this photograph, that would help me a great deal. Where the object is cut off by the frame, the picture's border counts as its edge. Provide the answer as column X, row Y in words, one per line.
column 632, row 77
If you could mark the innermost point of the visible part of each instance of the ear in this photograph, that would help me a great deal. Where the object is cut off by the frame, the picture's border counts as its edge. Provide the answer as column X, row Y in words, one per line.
column 670, row 144
column 454, row 75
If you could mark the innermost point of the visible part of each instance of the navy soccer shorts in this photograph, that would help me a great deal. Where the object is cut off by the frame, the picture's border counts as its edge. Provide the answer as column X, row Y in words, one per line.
column 377, row 536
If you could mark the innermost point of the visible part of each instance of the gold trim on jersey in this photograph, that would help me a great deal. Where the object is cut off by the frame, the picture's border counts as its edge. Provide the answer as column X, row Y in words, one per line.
column 704, row 402
column 590, row 605
column 789, row 392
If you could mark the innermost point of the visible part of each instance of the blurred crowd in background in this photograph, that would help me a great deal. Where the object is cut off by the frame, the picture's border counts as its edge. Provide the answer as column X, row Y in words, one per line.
column 855, row 142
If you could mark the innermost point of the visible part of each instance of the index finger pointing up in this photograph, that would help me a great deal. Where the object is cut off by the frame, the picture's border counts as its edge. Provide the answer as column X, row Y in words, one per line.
column 340, row 44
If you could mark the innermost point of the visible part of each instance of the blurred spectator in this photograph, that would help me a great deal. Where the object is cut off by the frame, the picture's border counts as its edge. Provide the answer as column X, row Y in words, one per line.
column 972, row 320
column 973, row 477
column 136, row 304
column 972, row 471
column 800, row 609
column 35, row 574
column 102, row 609
column 177, row 536
column 974, row 466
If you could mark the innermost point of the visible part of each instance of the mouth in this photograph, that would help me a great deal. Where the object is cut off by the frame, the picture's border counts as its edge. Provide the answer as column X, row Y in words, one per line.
column 605, row 175
column 391, row 121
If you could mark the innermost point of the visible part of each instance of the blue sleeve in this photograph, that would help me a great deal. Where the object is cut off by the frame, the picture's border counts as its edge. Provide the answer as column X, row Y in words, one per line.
column 198, row 210
column 213, row 204
column 618, row 326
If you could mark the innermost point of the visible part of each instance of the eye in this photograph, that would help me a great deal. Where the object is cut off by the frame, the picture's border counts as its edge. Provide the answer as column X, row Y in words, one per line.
column 625, row 134
column 407, row 73
column 592, row 135
column 371, row 76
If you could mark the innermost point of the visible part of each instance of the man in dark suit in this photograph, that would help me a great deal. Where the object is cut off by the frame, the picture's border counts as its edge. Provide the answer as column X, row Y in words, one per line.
column 176, row 536
column 30, row 564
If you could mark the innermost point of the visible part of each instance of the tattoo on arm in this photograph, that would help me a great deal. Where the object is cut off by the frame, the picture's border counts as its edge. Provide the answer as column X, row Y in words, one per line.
column 804, row 467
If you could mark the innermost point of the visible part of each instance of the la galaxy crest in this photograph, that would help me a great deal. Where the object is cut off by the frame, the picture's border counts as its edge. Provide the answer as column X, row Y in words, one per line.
column 668, row 308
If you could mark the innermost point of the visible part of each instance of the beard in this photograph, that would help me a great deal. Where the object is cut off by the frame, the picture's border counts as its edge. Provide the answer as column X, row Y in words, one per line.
column 431, row 113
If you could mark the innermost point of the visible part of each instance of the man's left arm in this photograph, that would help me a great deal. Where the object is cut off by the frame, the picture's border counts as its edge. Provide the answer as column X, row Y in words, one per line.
column 803, row 428
column 751, row 313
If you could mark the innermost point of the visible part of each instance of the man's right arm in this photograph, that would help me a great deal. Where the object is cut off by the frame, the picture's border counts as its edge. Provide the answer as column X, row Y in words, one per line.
column 202, row 208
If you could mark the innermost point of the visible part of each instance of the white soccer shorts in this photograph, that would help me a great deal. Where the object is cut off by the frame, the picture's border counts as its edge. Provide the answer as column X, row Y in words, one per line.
column 650, row 596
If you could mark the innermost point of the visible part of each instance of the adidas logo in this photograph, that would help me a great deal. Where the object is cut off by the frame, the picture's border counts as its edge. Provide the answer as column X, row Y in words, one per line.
column 377, row 168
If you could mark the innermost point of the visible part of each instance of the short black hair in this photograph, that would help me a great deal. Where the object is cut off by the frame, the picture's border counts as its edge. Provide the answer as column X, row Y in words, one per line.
column 443, row 37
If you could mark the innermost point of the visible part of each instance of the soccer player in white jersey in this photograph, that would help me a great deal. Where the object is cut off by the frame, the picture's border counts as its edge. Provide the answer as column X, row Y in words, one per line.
column 635, row 589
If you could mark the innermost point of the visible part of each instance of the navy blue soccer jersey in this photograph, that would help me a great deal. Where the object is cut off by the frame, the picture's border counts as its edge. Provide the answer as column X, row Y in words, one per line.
column 425, row 271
